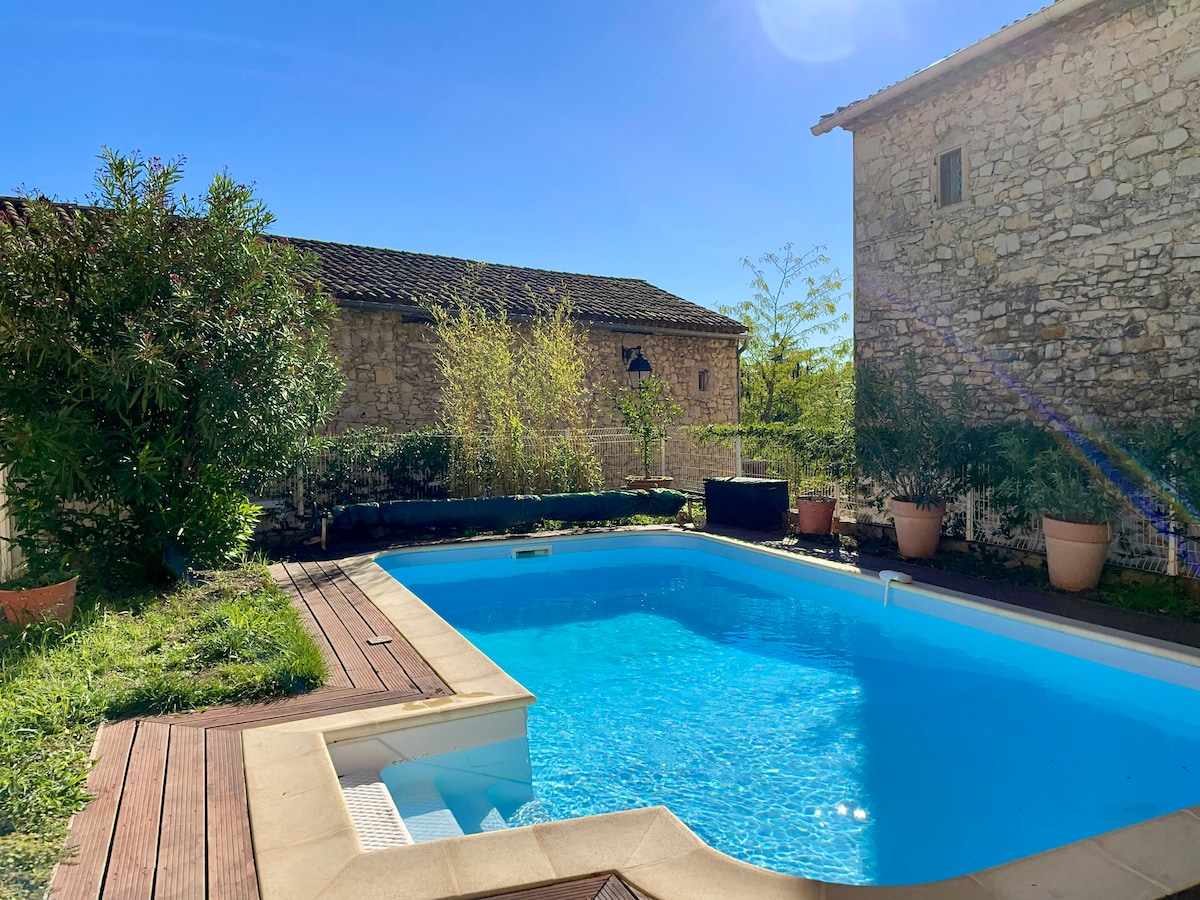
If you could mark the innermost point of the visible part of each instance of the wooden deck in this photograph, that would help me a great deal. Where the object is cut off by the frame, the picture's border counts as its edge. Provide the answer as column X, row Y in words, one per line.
column 170, row 819
column 599, row 887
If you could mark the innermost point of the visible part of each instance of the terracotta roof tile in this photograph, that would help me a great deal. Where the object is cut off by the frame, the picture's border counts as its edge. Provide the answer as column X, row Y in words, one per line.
column 415, row 280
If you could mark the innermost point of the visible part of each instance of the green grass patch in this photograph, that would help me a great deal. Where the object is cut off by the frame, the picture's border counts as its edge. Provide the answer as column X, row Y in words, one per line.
column 234, row 638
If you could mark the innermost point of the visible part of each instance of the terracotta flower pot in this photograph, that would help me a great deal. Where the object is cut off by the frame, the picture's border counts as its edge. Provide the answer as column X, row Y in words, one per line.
column 1075, row 554
column 637, row 483
column 39, row 604
column 815, row 515
column 918, row 528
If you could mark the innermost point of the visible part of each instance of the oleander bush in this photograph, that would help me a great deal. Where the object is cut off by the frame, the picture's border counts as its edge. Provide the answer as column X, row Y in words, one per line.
column 156, row 353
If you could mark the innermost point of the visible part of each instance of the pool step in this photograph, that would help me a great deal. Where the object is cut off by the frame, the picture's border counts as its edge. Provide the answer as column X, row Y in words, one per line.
column 375, row 816
column 470, row 791
column 425, row 811
column 472, row 808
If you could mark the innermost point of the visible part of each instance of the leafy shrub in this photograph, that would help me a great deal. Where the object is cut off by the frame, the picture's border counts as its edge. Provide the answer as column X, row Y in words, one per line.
column 1168, row 456
column 1036, row 473
column 372, row 463
column 909, row 445
column 155, row 353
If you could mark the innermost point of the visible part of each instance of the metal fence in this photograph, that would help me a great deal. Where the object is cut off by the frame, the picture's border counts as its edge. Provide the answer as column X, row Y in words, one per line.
column 10, row 555
column 689, row 461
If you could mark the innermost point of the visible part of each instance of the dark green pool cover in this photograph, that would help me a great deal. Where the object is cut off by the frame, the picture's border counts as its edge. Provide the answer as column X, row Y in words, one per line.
column 498, row 513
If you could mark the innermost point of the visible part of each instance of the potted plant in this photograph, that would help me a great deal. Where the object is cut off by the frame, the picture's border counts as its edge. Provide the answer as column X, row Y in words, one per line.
column 45, row 591
column 1042, row 476
column 917, row 453
column 814, row 510
column 648, row 411
column 830, row 452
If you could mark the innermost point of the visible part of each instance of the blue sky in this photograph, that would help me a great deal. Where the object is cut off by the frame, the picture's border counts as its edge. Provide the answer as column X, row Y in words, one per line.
column 657, row 139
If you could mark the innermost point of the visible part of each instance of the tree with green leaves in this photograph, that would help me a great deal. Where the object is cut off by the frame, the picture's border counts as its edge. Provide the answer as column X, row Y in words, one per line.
column 784, row 377
column 156, row 353
column 648, row 411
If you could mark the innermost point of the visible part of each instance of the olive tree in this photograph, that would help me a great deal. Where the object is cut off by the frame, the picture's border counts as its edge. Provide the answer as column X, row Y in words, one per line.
column 156, row 353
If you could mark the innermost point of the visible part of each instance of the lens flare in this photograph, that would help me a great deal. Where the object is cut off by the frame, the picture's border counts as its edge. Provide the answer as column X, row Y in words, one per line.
column 821, row 31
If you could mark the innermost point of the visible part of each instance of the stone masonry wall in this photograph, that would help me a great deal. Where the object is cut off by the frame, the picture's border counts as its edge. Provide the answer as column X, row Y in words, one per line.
column 392, row 378
column 1070, row 274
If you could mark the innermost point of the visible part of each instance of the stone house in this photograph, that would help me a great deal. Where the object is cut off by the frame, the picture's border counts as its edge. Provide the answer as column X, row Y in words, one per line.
column 1027, row 214
column 387, row 350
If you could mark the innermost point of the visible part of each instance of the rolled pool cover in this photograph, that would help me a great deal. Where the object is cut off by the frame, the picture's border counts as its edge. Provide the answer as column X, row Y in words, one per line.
column 498, row 513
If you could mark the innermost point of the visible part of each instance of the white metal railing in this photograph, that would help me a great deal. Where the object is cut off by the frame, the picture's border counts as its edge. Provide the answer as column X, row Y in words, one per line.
column 10, row 555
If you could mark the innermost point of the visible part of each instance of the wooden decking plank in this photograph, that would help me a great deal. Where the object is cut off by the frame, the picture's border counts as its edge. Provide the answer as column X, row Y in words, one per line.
column 337, row 672
column 615, row 889
column 406, row 655
column 231, row 872
column 182, row 853
column 249, row 711
column 81, row 875
column 170, row 819
column 389, row 669
column 348, row 650
column 415, row 665
column 314, row 705
column 332, row 634
column 135, row 839
column 580, row 889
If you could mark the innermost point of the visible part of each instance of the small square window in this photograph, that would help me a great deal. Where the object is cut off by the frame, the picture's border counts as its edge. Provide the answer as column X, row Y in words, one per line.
column 950, row 177
column 703, row 380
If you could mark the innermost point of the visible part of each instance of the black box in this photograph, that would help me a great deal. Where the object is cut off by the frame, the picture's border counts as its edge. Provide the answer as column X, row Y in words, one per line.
column 758, row 504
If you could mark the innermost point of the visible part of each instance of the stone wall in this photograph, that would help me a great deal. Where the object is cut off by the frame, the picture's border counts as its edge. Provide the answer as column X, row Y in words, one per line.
column 1070, row 273
column 392, row 378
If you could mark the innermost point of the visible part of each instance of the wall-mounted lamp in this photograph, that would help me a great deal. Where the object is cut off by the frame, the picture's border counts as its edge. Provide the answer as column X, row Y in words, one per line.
column 639, row 367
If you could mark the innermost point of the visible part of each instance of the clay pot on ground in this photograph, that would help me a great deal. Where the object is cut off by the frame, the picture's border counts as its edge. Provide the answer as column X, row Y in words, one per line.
column 638, row 483
column 57, row 601
column 814, row 515
column 918, row 527
column 1075, row 553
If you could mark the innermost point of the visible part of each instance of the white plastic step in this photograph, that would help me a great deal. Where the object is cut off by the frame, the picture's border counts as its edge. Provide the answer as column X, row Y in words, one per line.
column 424, row 812
column 375, row 816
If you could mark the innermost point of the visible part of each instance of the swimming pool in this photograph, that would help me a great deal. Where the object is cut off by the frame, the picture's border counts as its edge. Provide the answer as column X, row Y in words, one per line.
column 795, row 722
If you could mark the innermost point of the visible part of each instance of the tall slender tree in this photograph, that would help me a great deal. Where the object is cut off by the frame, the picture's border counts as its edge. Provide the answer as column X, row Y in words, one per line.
column 795, row 301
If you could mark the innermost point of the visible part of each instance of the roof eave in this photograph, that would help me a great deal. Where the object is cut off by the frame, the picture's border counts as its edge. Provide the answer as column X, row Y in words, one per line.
column 1015, row 32
column 620, row 326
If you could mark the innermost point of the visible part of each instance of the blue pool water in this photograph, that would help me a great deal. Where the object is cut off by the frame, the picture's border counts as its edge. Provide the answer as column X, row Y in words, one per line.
column 806, row 729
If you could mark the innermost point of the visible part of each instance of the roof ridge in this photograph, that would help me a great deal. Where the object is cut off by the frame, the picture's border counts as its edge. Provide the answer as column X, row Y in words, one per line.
column 458, row 259
column 357, row 273
column 495, row 265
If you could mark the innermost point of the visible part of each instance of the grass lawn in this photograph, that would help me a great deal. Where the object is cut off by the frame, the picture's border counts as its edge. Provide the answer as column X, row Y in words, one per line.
column 233, row 638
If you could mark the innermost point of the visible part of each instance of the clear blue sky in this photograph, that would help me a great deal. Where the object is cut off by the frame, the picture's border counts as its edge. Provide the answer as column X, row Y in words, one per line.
column 657, row 139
